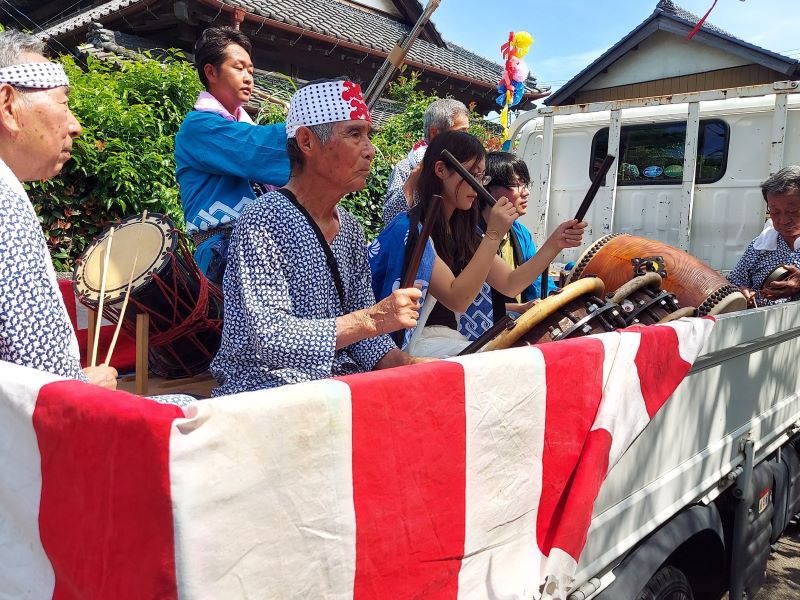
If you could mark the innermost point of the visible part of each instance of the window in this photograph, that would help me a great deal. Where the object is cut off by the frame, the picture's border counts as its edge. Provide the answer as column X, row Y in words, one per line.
column 653, row 154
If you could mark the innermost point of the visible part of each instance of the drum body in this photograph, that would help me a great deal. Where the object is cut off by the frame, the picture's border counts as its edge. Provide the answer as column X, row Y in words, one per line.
column 618, row 258
column 575, row 311
column 643, row 302
column 185, row 310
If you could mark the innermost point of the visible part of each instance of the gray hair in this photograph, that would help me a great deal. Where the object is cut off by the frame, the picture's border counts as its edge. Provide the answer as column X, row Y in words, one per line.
column 785, row 181
column 441, row 114
column 323, row 131
column 14, row 43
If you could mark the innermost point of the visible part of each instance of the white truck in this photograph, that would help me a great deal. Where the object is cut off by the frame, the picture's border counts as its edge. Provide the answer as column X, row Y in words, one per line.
column 691, row 509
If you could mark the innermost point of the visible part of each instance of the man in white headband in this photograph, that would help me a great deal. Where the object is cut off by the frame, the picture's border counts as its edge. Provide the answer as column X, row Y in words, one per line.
column 36, row 133
column 298, row 299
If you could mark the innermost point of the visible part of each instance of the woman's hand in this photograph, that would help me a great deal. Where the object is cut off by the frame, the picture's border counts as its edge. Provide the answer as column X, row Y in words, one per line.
column 501, row 217
column 567, row 235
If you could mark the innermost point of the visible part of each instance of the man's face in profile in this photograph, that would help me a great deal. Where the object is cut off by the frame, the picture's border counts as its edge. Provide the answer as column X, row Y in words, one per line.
column 47, row 128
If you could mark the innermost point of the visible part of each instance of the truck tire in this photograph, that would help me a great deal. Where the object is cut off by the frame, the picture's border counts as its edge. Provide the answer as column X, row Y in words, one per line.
column 667, row 584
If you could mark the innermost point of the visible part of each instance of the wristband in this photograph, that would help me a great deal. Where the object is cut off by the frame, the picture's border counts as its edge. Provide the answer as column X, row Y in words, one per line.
column 492, row 234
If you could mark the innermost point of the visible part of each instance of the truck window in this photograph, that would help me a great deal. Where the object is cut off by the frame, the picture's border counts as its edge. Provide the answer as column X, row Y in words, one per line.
column 653, row 154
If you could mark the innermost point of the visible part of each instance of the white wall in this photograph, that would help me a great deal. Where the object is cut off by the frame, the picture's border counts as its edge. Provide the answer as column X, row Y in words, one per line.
column 664, row 55
column 386, row 6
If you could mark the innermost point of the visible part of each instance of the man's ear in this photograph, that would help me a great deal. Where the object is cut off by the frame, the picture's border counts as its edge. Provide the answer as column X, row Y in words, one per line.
column 306, row 140
column 432, row 133
column 210, row 73
column 9, row 110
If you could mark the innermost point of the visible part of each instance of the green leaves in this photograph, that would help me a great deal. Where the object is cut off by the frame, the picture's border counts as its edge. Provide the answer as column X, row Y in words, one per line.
column 122, row 164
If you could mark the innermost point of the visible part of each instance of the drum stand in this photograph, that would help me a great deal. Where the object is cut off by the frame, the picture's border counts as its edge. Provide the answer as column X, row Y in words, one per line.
column 142, row 332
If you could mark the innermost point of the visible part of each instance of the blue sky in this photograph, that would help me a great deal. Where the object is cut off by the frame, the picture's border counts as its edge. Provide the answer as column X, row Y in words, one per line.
column 570, row 34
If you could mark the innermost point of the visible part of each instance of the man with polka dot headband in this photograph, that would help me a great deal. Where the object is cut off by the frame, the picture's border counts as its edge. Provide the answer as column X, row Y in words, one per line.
column 298, row 298
column 36, row 134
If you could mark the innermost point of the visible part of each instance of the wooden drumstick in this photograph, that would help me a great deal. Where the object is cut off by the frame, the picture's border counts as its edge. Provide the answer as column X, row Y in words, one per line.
column 122, row 314
column 102, row 298
column 476, row 185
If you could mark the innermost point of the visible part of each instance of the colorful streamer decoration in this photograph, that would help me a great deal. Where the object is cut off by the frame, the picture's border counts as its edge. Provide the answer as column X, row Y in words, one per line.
column 512, row 86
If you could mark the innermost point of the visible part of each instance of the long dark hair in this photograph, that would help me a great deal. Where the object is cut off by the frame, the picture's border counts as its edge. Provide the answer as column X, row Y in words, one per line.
column 456, row 241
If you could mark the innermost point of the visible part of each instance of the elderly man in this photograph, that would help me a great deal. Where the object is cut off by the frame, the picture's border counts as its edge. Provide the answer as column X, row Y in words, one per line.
column 441, row 115
column 36, row 133
column 298, row 299
column 778, row 245
column 219, row 152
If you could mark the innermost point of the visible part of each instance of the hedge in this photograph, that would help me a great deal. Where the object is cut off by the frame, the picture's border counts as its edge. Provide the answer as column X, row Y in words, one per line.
column 123, row 162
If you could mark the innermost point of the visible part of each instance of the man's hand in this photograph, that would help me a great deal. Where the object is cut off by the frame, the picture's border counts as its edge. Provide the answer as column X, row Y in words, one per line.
column 784, row 289
column 410, row 186
column 400, row 310
column 749, row 295
column 102, row 375
column 398, row 358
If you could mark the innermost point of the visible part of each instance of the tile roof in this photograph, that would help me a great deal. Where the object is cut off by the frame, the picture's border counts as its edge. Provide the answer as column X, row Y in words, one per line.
column 96, row 13
column 667, row 11
column 337, row 20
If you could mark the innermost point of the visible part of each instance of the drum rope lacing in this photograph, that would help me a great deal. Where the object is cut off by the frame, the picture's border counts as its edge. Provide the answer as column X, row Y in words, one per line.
column 198, row 315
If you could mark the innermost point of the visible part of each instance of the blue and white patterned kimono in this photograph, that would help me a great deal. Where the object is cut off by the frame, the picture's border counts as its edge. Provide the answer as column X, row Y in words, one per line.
column 34, row 327
column 386, row 262
column 281, row 301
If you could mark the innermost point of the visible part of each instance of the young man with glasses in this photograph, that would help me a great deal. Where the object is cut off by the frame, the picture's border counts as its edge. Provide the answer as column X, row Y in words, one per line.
column 508, row 176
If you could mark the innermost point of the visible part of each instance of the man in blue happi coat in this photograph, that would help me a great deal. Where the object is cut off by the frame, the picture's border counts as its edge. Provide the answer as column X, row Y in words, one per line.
column 219, row 152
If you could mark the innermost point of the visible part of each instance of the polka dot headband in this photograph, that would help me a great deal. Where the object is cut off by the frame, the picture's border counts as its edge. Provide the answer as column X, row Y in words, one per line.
column 328, row 102
column 40, row 75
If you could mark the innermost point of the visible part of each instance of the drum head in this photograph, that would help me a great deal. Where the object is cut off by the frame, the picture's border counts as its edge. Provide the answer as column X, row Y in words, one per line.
column 686, row 311
column 147, row 241
column 648, row 279
column 733, row 302
column 536, row 313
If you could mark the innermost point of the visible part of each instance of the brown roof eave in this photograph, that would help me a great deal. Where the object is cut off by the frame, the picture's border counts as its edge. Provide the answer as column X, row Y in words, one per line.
column 221, row 6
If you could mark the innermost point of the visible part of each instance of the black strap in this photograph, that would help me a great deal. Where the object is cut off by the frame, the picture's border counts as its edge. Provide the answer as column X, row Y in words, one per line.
column 326, row 247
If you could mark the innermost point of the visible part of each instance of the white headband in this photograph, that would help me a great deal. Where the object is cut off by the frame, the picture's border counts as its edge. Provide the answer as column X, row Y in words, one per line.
column 328, row 102
column 40, row 75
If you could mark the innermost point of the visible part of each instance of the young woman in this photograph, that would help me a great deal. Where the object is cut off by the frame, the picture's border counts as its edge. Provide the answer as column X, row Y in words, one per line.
column 461, row 264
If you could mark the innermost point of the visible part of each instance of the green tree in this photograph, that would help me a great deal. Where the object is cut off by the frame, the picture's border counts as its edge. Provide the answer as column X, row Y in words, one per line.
column 122, row 162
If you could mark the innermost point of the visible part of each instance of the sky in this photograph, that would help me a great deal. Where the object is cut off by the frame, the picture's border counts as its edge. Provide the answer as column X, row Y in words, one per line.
column 569, row 34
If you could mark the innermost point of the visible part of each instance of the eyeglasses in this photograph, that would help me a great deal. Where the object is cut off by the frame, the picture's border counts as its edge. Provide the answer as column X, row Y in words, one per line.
column 482, row 178
column 516, row 186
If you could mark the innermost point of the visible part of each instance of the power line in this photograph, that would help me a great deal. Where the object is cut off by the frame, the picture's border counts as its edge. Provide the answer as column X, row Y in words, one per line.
column 36, row 26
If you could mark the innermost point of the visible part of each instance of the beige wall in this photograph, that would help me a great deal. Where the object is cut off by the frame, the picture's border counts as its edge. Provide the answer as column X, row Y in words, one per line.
column 711, row 80
column 664, row 55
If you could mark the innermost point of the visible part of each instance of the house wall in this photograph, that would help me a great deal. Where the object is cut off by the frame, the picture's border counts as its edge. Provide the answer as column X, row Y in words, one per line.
column 384, row 6
column 711, row 80
column 661, row 56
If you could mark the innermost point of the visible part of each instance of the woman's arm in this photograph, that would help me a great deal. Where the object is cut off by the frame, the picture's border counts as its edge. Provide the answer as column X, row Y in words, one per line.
column 457, row 293
column 511, row 282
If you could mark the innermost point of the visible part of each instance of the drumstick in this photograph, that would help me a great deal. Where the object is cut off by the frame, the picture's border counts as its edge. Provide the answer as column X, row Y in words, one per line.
column 410, row 274
column 452, row 161
column 102, row 297
column 599, row 178
column 505, row 322
column 122, row 314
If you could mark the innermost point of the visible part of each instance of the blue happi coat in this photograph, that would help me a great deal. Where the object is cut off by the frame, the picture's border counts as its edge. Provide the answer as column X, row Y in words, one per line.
column 386, row 254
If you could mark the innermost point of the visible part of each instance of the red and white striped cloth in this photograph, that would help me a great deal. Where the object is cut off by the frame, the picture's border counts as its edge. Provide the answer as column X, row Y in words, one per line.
column 462, row 479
